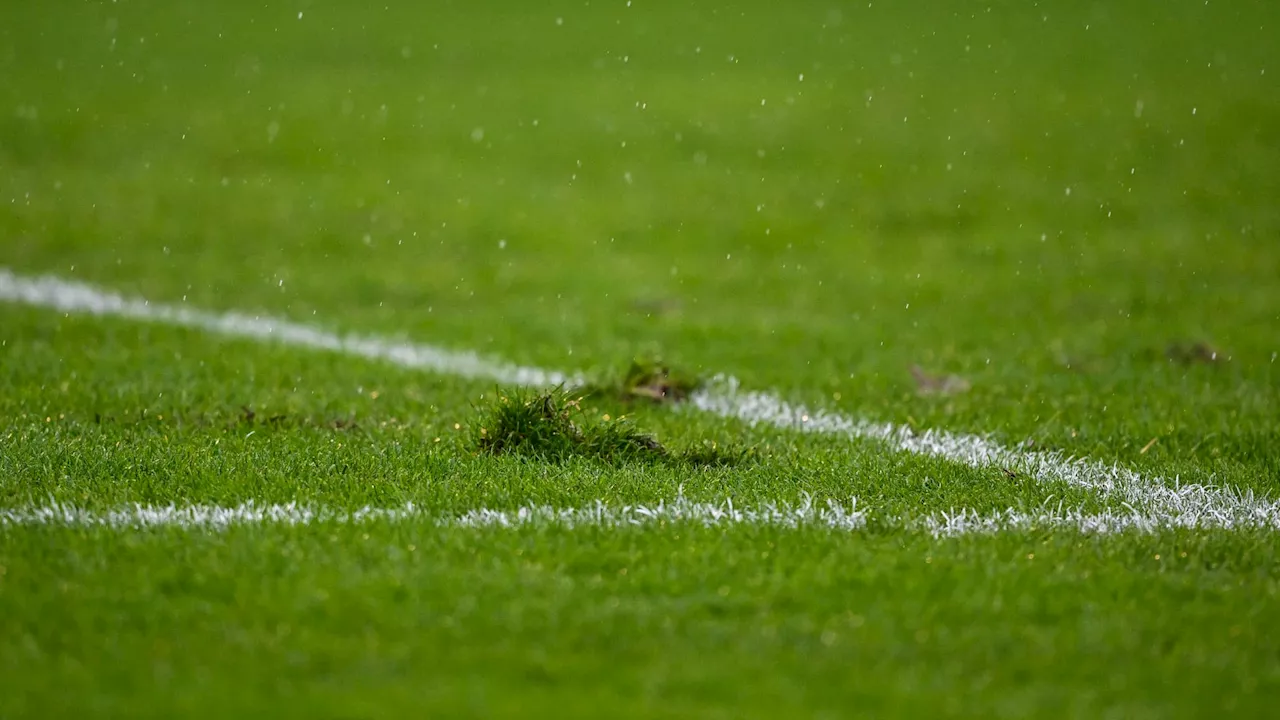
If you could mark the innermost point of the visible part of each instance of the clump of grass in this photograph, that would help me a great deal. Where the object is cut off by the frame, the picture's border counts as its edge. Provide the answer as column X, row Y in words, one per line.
column 554, row 427
column 648, row 380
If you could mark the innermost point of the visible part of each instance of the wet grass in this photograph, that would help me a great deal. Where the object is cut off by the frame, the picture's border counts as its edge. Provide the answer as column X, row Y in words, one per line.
column 1053, row 223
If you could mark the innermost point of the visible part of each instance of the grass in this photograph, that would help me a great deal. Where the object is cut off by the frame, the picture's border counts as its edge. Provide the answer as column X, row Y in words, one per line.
column 1049, row 224
column 541, row 426
column 650, row 380
column 360, row 621
column 554, row 427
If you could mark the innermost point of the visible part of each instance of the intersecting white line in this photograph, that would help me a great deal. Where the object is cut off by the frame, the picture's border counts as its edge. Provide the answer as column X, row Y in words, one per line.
column 1149, row 503
column 1176, row 504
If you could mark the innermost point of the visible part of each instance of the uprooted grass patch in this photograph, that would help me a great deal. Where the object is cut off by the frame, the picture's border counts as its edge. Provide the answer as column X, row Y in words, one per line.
column 647, row 380
column 554, row 427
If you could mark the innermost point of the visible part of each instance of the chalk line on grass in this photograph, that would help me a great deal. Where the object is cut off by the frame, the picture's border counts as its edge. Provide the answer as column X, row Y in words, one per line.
column 1192, row 505
column 1106, row 522
column 1181, row 504
column 830, row 515
column 74, row 297
column 600, row 514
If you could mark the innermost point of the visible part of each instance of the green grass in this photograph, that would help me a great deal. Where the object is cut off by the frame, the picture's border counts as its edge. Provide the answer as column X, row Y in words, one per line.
column 541, row 426
column 1061, row 204
column 343, row 622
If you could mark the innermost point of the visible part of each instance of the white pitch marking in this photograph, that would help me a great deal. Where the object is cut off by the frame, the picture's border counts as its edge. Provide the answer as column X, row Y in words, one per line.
column 970, row 522
column 680, row 511
column 831, row 515
column 74, row 297
column 1197, row 504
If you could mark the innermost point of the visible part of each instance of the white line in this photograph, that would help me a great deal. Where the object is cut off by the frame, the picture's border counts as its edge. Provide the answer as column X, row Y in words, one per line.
column 1195, row 503
column 74, row 297
column 969, row 522
column 680, row 511
column 830, row 515
column 1215, row 506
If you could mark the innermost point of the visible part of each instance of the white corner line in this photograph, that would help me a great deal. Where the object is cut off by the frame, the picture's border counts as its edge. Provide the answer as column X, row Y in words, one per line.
column 1143, row 495
column 1155, row 497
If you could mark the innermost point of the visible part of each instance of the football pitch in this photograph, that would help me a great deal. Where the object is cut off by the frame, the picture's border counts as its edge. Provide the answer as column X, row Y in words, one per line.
column 639, row 359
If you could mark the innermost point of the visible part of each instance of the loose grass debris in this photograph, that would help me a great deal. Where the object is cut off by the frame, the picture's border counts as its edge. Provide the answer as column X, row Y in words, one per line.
column 554, row 427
